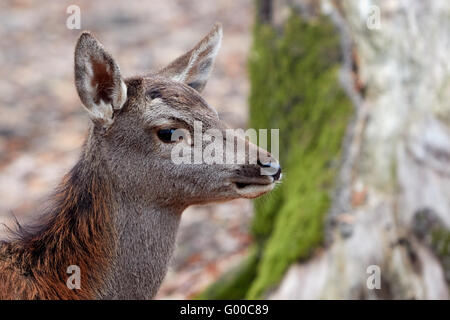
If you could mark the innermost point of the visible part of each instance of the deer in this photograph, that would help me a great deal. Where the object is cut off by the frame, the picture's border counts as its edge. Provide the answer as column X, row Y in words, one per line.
column 115, row 215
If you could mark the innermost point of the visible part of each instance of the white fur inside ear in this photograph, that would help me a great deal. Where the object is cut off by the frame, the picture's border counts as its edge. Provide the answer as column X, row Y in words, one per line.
column 120, row 97
column 101, row 111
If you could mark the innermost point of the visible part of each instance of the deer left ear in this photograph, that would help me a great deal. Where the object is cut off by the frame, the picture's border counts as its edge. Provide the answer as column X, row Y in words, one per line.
column 98, row 80
column 194, row 67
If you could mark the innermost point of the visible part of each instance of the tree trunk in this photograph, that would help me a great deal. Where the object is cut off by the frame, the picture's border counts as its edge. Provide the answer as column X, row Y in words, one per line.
column 391, row 212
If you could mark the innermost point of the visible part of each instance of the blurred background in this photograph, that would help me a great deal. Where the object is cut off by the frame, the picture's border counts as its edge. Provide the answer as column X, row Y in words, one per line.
column 360, row 91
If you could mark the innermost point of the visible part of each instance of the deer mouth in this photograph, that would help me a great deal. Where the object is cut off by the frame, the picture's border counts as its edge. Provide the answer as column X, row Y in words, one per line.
column 253, row 189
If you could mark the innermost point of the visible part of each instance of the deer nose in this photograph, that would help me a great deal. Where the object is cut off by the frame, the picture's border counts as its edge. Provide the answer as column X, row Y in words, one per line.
column 270, row 168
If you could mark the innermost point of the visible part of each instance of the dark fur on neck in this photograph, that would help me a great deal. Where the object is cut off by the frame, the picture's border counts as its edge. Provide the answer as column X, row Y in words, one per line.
column 76, row 230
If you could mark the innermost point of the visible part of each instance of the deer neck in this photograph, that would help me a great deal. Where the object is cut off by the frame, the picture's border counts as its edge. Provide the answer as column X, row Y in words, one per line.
column 145, row 242
column 144, row 237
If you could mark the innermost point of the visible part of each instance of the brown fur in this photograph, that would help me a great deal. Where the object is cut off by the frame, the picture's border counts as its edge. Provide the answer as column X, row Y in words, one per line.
column 102, row 78
column 76, row 231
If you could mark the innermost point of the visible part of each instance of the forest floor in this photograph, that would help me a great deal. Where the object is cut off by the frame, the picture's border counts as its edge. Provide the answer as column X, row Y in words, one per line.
column 43, row 125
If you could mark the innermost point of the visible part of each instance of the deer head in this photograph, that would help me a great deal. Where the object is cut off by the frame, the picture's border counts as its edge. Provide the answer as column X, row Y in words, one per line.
column 134, row 121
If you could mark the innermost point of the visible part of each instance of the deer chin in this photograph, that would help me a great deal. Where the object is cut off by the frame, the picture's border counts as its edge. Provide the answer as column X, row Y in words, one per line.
column 252, row 190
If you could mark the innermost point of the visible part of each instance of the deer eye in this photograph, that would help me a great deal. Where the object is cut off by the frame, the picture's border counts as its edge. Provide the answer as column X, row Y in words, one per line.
column 166, row 135
column 153, row 94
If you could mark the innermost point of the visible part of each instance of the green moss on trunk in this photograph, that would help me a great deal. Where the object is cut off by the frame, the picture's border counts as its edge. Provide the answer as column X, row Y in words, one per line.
column 294, row 87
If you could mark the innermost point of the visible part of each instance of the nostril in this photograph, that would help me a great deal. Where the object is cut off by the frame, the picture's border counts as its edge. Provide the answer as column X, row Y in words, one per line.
column 264, row 165
column 277, row 175
column 272, row 169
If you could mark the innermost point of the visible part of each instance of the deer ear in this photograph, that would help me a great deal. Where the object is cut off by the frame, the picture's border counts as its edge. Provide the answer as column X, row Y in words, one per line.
column 98, row 80
column 193, row 68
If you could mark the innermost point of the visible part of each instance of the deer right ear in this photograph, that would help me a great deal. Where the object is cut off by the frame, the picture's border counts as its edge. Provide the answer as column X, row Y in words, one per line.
column 98, row 80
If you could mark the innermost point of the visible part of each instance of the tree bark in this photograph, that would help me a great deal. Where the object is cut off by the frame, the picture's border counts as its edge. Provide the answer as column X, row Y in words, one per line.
column 391, row 209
